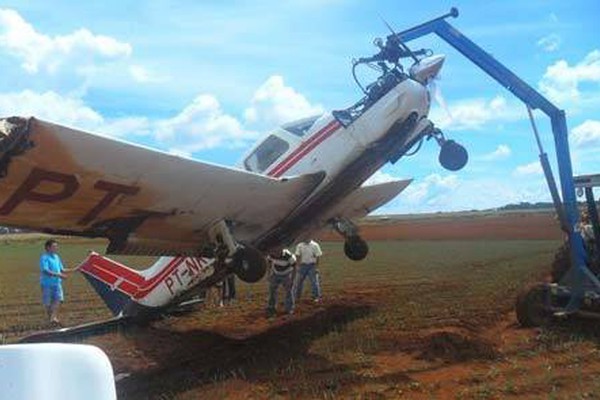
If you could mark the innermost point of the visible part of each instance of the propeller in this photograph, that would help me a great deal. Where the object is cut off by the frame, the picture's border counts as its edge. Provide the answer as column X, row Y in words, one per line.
column 435, row 90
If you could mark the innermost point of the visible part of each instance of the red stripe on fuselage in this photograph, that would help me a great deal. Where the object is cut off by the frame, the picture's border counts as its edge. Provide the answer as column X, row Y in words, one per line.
column 157, row 279
column 119, row 270
column 304, row 149
column 108, row 271
column 109, row 279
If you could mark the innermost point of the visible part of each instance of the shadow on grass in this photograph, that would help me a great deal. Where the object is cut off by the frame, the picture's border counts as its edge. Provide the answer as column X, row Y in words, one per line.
column 279, row 357
column 575, row 329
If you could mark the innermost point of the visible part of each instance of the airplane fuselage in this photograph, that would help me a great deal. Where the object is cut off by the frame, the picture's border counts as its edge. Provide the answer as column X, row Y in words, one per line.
column 334, row 148
column 347, row 154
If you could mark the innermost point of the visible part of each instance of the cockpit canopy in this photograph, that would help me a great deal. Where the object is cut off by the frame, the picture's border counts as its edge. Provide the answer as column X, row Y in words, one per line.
column 300, row 127
column 265, row 154
column 276, row 144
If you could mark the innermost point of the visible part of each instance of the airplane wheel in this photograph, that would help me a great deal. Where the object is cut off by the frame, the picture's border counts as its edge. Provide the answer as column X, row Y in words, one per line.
column 532, row 306
column 249, row 264
column 453, row 156
column 356, row 248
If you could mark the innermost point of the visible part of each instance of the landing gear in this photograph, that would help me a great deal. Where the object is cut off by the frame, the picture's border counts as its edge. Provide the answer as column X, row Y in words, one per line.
column 248, row 264
column 452, row 156
column 355, row 247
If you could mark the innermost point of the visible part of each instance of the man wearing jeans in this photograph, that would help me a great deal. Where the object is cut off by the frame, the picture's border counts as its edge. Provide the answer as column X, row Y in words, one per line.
column 308, row 253
column 281, row 274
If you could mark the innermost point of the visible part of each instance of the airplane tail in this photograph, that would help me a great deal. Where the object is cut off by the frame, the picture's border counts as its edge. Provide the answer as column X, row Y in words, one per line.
column 130, row 292
column 115, row 283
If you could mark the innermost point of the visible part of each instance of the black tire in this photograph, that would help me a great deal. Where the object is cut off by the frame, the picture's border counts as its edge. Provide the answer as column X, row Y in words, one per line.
column 532, row 306
column 356, row 248
column 249, row 264
column 453, row 156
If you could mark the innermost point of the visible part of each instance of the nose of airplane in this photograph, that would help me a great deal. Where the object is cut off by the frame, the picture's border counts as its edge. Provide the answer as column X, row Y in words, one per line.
column 427, row 68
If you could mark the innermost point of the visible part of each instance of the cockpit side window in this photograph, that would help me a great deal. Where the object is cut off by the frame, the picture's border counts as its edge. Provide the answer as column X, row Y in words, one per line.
column 269, row 151
column 299, row 128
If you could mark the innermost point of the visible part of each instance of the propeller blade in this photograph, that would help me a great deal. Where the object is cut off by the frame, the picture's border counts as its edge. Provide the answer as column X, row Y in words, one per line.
column 436, row 92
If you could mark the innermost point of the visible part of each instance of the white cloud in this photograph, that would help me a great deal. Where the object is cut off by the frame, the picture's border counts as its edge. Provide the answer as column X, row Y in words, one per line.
column 180, row 153
column 562, row 82
column 275, row 103
column 143, row 75
column 533, row 168
column 127, row 127
column 502, row 152
column 39, row 52
column 468, row 194
column 430, row 190
column 586, row 134
column 550, row 43
column 50, row 106
column 379, row 177
column 476, row 113
column 202, row 124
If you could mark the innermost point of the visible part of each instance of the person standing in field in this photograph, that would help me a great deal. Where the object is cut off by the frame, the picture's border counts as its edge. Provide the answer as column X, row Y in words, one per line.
column 308, row 253
column 52, row 272
column 281, row 273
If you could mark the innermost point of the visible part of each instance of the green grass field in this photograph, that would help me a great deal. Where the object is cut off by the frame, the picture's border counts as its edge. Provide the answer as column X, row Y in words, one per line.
column 443, row 280
column 416, row 319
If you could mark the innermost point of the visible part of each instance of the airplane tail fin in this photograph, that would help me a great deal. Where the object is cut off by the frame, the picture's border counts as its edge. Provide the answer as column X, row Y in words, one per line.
column 115, row 283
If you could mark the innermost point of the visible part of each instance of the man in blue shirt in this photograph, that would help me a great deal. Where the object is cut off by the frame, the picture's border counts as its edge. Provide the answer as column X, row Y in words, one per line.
column 52, row 272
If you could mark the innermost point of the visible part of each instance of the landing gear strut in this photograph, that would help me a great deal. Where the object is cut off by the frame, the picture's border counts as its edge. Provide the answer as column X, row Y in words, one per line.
column 355, row 247
column 247, row 263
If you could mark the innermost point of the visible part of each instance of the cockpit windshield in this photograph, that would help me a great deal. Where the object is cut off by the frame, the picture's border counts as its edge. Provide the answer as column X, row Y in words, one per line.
column 265, row 154
column 300, row 127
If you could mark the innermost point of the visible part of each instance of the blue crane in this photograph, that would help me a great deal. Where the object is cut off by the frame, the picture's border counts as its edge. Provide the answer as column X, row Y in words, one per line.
column 555, row 299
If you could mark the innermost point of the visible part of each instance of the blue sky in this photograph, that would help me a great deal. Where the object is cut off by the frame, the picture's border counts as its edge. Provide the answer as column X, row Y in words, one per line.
column 205, row 79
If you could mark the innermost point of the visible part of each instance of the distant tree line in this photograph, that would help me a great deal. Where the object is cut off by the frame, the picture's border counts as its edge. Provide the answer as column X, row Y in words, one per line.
column 525, row 205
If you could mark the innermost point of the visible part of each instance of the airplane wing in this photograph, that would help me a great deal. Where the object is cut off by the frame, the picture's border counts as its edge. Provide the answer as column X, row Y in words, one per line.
column 60, row 180
column 366, row 199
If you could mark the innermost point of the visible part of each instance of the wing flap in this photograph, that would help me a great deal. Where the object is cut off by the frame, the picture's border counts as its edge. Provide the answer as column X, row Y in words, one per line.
column 57, row 179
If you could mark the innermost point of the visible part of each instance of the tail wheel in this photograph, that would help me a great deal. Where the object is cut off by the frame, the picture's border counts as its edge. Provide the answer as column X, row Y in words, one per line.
column 356, row 248
column 533, row 306
column 249, row 264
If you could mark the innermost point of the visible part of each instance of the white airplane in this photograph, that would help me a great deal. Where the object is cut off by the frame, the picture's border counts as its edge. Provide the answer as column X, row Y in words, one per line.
column 205, row 220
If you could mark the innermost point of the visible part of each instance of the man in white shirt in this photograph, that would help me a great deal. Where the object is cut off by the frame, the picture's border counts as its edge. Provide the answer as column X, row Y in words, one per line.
column 308, row 253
